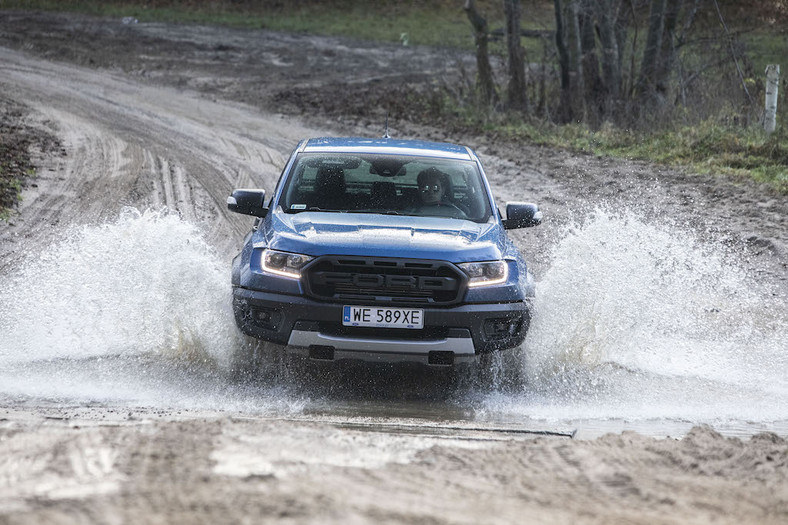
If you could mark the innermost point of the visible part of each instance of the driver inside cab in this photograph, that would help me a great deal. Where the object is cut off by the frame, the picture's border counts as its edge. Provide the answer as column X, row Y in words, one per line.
column 433, row 193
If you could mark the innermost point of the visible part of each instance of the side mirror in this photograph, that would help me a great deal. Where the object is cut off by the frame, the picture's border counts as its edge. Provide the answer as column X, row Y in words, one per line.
column 521, row 215
column 248, row 202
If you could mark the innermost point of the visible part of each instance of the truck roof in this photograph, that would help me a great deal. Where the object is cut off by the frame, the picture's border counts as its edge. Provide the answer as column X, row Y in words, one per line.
column 387, row 146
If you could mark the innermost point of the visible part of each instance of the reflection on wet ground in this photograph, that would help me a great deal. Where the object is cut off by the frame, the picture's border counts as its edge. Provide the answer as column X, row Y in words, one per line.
column 403, row 399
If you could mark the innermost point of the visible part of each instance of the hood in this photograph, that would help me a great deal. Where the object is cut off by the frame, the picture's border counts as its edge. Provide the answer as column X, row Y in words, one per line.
column 322, row 233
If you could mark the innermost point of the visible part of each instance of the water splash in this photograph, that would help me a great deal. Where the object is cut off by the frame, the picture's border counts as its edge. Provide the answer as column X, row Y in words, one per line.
column 147, row 282
column 633, row 321
column 135, row 310
column 636, row 320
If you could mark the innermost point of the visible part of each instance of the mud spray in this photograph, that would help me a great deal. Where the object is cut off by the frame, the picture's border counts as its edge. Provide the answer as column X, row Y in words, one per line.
column 633, row 322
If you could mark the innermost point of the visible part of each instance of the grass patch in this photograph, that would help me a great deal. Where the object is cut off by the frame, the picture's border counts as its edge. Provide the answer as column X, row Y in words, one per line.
column 16, row 166
column 706, row 148
column 15, row 169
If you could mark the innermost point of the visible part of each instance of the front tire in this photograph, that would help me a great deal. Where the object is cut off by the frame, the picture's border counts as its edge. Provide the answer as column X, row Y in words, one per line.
column 498, row 371
column 255, row 360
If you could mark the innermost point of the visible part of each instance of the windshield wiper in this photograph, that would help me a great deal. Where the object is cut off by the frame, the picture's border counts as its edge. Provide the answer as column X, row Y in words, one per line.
column 328, row 210
column 379, row 212
column 313, row 208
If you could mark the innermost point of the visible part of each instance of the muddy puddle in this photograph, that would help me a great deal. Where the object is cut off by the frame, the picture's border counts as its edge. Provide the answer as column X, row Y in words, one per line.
column 638, row 327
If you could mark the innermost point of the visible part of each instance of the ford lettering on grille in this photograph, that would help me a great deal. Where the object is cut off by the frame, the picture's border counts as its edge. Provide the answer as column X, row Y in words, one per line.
column 385, row 280
column 381, row 282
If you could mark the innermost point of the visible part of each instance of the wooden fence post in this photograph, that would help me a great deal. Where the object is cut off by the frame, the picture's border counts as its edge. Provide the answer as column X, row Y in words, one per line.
column 772, row 84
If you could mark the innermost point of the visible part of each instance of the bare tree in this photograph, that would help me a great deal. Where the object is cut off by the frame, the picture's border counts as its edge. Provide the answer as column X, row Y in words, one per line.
column 590, row 39
column 649, row 69
column 516, row 95
column 568, row 39
column 565, row 113
column 593, row 90
column 611, row 39
column 606, row 72
column 484, row 79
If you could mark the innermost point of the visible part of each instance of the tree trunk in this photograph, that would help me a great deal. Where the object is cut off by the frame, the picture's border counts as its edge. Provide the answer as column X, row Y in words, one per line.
column 516, row 95
column 565, row 105
column 576, row 88
column 646, row 87
column 593, row 93
column 567, row 37
column 484, row 80
column 626, row 17
column 667, row 52
column 607, row 15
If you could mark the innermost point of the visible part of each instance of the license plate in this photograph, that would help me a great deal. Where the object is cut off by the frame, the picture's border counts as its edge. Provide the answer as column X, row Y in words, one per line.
column 381, row 317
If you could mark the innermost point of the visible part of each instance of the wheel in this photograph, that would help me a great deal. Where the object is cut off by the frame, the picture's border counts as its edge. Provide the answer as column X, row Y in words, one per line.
column 498, row 371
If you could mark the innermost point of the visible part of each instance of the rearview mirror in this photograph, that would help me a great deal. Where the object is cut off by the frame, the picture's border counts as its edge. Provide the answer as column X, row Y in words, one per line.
column 248, row 202
column 522, row 215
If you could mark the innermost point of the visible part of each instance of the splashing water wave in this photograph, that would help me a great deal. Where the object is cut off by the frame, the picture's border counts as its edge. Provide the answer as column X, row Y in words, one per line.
column 135, row 310
column 635, row 320
column 147, row 282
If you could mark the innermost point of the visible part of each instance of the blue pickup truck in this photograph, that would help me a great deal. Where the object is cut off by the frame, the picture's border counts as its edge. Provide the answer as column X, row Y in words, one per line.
column 382, row 250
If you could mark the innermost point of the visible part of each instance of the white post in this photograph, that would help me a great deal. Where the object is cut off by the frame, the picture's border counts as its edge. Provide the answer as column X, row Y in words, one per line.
column 772, row 84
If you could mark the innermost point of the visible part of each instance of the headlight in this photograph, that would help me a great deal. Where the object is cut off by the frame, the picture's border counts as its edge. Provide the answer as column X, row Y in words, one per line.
column 283, row 263
column 486, row 273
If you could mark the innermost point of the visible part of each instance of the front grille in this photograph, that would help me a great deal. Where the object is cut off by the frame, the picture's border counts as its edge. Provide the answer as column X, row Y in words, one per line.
column 390, row 281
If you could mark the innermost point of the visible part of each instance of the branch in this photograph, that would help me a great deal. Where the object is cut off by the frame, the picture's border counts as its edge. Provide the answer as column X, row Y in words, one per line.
column 527, row 33
column 477, row 21
column 733, row 52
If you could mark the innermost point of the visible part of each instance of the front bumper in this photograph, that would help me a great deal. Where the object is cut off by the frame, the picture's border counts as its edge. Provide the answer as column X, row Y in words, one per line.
column 314, row 328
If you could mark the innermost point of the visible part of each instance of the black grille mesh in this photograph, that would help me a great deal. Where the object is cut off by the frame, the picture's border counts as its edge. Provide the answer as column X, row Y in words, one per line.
column 373, row 280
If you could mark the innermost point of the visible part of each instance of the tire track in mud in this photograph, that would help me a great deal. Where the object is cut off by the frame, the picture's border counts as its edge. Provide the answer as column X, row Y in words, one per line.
column 62, row 466
column 173, row 190
column 133, row 145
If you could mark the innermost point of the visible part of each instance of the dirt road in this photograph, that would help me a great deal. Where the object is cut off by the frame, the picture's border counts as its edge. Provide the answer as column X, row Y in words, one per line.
column 110, row 412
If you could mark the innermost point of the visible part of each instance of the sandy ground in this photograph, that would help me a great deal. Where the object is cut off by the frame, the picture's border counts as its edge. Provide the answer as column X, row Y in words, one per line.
column 152, row 115
column 82, row 466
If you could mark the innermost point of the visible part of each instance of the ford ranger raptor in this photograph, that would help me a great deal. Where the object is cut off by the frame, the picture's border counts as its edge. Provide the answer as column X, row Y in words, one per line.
column 382, row 250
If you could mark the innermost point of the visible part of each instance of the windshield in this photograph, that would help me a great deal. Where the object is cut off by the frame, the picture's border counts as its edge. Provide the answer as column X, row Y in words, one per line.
column 391, row 184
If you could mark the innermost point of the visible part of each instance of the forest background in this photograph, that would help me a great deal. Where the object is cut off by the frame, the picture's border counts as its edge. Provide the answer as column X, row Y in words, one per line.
column 676, row 82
